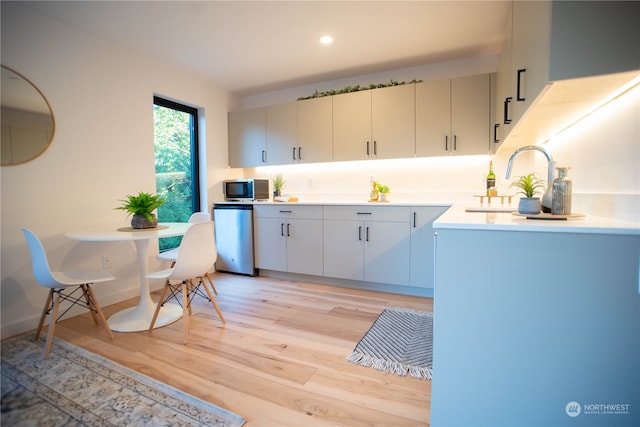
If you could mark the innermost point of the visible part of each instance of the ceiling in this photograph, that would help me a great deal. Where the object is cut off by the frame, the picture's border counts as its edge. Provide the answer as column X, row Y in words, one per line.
column 251, row 47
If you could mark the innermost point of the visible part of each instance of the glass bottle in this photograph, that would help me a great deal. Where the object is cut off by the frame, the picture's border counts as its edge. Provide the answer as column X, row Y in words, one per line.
column 491, row 181
column 561, row 202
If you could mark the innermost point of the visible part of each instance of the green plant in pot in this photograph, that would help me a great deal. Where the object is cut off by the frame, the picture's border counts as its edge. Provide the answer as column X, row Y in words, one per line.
column 529, row 186
column 141, row 207
column 384, row 191
column 278, row 183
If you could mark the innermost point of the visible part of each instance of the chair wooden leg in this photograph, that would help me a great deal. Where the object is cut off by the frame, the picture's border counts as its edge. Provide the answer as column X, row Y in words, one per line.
column 185, row 305
column 215, row 291
column 160, row 301
column 215, row 304
column 85, row 293
column 47, row 305
column 52, row 325
column 94, row 302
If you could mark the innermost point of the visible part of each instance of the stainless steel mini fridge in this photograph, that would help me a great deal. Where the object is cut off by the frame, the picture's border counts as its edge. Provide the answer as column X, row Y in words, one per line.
column 233, row 224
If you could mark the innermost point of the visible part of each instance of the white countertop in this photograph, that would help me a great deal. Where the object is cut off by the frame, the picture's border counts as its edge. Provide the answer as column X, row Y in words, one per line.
column 457, row 218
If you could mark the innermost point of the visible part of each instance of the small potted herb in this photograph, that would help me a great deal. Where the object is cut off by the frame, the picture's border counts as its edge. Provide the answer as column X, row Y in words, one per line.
column 278, row 183
column 142, row 207
column 529, row 185
column 384, row 191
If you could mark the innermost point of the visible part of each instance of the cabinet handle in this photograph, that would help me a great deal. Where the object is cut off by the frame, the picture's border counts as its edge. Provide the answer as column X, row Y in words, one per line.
column 367, row 234
column 507, row 101
column 363, row 213
column 495, row 133
column 360, row 233
column 446, row 143
column 367, row 148
column 518, row 96
column 288, row 230
column 455, row 142
column 264, row 156
column 282, row 229
column 299, row 153
column 285, row 211
column 375, row 148
column 294, row 153
column 415, row 222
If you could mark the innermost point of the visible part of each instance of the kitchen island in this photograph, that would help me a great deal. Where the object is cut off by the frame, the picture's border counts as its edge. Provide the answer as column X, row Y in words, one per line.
column 536, row 322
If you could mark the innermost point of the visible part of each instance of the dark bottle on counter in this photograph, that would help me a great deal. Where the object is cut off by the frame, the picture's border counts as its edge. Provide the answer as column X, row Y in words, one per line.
column 491, row 180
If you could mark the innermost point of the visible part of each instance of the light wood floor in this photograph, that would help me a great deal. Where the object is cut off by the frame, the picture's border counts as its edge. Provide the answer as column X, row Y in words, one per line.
column 280, row 360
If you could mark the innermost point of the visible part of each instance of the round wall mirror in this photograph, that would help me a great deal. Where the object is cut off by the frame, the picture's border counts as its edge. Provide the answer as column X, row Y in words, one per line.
column 27, row 119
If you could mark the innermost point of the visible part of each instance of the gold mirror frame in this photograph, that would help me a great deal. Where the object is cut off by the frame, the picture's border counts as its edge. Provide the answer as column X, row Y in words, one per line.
column 28, row 124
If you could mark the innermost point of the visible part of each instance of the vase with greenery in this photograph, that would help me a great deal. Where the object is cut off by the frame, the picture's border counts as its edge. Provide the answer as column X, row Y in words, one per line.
column 141, row 206
column 384, row 191
column 529, row 186
column 278, row 183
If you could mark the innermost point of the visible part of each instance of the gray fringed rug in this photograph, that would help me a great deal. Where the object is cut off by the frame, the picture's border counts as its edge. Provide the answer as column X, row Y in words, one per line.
column 399, row 342
column 75, row 387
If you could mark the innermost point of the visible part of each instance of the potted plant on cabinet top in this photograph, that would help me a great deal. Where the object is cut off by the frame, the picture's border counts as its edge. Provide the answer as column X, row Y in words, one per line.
column 384, row 191
column 278, row 183
column 142, row 207
column 529, row 185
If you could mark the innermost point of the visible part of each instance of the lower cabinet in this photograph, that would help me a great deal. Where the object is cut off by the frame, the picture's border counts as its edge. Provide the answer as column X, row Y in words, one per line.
column 524, row 346
column 289, row 238
column 390, row 245
column 367, row 243
column 422, row 244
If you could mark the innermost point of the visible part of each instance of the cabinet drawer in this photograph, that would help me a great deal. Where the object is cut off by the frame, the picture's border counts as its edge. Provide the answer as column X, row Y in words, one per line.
column 368, row 213
column 287, row 211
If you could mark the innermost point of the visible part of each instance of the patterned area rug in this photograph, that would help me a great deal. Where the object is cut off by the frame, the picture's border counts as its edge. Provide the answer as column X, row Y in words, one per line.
column 74, row 387
column 399, row 342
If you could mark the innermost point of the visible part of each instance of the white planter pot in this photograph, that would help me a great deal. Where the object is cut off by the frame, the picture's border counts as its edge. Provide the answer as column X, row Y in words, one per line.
column 529, row 205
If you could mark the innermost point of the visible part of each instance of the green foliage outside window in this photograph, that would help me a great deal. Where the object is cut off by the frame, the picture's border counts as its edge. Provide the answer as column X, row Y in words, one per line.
column 172, row 141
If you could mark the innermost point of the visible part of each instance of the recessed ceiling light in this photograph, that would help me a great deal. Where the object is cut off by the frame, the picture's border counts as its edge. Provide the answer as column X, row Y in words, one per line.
column 326, row 39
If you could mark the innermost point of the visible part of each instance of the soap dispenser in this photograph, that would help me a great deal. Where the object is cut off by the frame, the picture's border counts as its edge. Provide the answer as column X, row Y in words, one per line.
column 373, row 196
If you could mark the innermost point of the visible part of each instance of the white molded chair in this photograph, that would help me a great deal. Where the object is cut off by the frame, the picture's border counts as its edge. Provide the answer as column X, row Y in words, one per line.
column 70, row 285
column 171, row 255
column 197, row 253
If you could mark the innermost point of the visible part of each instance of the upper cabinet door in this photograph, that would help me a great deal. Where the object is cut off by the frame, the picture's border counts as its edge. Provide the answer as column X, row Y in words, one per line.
column 471, row 115
column 247, row 138
column 530, row 53
column 453, row 117
column 352, row 126
column 433, row 118
column 393, row 122
column 315, row 130
column 282, row 133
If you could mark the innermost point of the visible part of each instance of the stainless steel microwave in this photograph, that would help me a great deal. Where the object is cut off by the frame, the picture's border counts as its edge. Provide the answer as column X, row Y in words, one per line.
column 246, row 189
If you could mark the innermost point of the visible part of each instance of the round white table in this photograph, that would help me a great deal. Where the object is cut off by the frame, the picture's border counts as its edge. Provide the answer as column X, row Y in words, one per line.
column 137, row 318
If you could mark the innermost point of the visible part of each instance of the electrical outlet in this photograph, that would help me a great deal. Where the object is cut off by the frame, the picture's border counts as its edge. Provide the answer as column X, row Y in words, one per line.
column 106, row 262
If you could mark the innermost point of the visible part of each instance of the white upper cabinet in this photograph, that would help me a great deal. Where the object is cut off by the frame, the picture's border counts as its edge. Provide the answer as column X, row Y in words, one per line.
column 559, row 60
column 315, row 130
column 453, row 117
column 352, row 126
column 248, row 138
column 374, row 124
column 393, row 122
column 282, row 133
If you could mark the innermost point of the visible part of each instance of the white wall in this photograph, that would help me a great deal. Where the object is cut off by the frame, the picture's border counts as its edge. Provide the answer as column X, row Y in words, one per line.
column 102, row 98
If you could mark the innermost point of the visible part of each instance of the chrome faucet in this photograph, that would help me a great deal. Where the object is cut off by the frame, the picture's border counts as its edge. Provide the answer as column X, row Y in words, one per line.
column 546, row 198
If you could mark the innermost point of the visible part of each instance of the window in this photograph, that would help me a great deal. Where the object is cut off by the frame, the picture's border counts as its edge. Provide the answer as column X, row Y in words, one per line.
column 176, row 155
